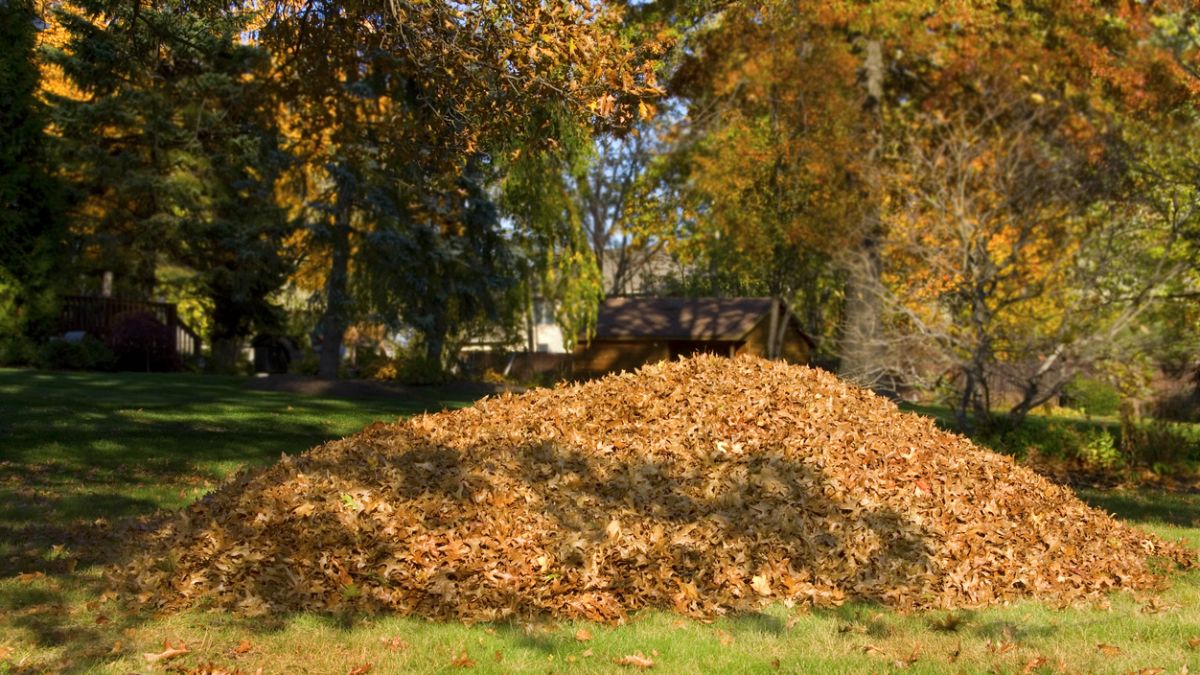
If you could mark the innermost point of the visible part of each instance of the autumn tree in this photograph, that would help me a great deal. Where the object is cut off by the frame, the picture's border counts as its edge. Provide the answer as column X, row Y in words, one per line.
column 787, row 129
column 418, row 98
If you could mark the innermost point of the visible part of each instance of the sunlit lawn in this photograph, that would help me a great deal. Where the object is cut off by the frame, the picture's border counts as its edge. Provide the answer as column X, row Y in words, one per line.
column 76, row 448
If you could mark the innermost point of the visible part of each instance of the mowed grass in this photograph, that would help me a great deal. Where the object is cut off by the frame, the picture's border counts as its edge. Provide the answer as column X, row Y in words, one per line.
column 82, row 453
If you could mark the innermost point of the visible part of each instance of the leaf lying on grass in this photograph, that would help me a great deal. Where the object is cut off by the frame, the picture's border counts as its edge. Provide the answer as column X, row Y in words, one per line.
column 638, row 660
column 706, row 486
column 167, row 653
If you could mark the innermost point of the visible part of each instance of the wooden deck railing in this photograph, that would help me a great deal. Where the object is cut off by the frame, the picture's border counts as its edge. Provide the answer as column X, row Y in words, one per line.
column 98, row 316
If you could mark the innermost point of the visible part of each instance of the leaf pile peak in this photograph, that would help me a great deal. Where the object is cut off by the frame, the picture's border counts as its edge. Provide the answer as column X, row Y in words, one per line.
column 706, row 486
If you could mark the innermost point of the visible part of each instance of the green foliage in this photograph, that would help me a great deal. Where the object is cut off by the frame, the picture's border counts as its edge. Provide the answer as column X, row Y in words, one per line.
column 1098, row 448
column 1158, row 442
column 414, row 368
column 17, row 350
column 1092, row 396
column 564, row 268
column 86, row 354
column 175, row 144
column 30, row 196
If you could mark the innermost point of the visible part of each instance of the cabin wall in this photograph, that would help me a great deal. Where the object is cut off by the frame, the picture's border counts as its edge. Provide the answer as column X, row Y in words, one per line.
column 606, row 356
column 795, row 347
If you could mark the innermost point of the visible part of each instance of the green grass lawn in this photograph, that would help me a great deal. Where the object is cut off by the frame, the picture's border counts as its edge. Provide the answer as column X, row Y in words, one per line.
column 81, row 453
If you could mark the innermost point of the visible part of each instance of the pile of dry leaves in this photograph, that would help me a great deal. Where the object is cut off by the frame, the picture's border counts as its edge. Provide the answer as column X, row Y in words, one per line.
column 705, row 485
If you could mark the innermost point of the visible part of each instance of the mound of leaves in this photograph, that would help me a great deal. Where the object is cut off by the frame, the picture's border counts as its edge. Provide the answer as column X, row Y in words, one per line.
column 706, row 485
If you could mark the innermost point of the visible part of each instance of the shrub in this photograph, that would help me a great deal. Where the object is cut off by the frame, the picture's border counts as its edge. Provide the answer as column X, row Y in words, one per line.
column 1160, row 442
column 1093, row 397
column 1098, row 448
column 86, row 354
column 308, row 363
column 18, row 350
column 141, row 342
column 490, row 376
column 410, row 369
column 1179, row 406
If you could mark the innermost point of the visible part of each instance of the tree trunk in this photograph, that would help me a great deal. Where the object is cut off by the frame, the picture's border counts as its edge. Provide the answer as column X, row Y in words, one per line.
column 861, row 358
column 337, row 299
column 435, row 338
column 225, row 355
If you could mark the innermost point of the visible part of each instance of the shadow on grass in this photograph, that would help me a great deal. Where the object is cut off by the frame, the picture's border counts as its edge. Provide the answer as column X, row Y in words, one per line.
column 1147, row 506
column 88, row 459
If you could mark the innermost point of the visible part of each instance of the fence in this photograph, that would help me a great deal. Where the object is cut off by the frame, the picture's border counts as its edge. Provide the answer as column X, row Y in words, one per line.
column 98, row 316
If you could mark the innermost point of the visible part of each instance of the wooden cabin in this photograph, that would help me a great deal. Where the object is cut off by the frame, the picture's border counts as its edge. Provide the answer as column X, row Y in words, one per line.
column 631, row 332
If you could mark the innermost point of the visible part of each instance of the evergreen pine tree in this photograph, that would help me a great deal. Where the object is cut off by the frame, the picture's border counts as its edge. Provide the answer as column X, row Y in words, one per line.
column 29, row 217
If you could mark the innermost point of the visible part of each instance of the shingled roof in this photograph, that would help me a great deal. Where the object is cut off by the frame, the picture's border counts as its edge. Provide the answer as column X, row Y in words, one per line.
column 680, row 318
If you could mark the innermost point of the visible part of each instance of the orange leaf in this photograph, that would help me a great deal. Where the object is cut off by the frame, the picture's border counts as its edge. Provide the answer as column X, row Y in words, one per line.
column 361, row 669
column 638, row 660
column 583, row 635
column 167, row 653
column 243, row 647
column 462, row 661
column 1108, row 650
column 1033, row 664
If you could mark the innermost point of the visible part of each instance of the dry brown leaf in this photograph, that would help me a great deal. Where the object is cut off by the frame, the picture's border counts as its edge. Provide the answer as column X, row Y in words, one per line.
column 910, row 659
column 872, row 650
column 725, row 638
column 949, row 623
column 5, row 652
column 117, row 648
column 775, row 663
column 360, row 669
column 760, row 585
column 583, row 635
column 1108, row 650
column 243, row 647
column 732, row 454
column 638, row 660
column 497, row 657
column 394, row 643
column 462, row 661
column 1193, row 643
column 167, row 653
column 586, row 653
column 1033, row 664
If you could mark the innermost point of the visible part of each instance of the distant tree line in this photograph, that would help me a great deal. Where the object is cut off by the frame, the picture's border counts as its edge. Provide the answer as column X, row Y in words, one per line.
column 967, row 197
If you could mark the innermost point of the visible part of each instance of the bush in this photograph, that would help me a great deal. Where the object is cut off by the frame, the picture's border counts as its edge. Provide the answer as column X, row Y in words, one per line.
column 1092, row 397
column 143, row 343
column 1160, row 442
column 18, row 350
column 1099, row 449
column 86, row 354
column 1179, row 406
column 411, row 369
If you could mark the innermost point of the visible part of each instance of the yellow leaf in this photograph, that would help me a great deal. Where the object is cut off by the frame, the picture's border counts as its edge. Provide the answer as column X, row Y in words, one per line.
column 760, row 585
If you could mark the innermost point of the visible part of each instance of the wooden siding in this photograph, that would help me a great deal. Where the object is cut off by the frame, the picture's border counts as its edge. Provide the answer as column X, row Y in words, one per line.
column 607, row 356
column 795, row 346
